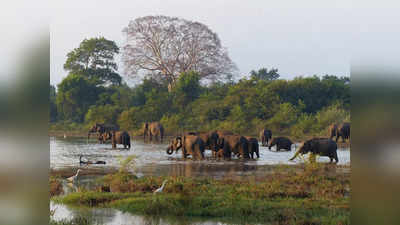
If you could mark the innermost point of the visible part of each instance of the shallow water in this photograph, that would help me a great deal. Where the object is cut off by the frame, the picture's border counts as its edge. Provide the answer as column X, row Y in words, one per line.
column 153, row 160
column 106, row 216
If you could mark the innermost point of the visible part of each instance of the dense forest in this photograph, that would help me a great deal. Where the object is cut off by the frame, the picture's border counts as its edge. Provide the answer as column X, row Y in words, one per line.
column 298, row 107
column 187, row 88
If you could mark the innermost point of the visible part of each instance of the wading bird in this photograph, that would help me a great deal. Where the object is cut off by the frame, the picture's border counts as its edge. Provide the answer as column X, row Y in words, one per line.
column 159, row 190
column 75, row 177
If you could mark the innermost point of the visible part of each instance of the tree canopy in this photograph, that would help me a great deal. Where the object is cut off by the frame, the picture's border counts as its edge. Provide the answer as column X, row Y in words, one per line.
column 168, row 46
column 264, row 74
column 94, row 59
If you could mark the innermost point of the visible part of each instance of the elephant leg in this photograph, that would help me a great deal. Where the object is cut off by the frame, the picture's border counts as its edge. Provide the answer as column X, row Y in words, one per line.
column 336, row 157
column 184, row 154
column 257, row 152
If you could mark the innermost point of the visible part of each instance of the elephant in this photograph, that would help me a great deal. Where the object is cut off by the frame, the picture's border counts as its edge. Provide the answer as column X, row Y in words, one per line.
column 118, row 137
column 101, row 128
column 153, row 129
column 343, row 130
column 340, row 130
column 265, row 136
column 319, row 146
column 234, row 144
column 333, row 130
column 253, row 147
column 281, row 143
column 190, row 144
column 210, row 140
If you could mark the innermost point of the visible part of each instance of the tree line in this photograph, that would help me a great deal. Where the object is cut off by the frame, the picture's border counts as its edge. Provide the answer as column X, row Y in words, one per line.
column 302, row 106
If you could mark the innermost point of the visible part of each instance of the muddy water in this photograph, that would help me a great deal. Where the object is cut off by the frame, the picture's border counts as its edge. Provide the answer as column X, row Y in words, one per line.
column 153, row 160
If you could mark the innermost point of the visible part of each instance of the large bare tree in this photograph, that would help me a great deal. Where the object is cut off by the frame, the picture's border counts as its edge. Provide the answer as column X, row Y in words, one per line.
column 167, row 46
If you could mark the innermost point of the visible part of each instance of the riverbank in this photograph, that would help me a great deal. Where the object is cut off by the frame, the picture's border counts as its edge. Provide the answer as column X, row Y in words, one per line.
column 306, row 194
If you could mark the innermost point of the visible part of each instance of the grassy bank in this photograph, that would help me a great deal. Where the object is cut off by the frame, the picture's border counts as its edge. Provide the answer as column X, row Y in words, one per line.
column 311, row 195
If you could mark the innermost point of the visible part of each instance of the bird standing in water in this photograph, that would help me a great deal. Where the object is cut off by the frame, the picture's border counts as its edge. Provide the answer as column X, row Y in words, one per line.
column 74, row 178
column 159, row 190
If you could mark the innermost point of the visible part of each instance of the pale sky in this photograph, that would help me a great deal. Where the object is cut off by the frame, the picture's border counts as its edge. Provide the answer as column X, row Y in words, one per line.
column 297, row 37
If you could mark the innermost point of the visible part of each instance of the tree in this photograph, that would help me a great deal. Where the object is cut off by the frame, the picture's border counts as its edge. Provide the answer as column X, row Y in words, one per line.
column 168, row 46
column 75, row 95
column 187, row 88
column 264, row 74
column 94, row 59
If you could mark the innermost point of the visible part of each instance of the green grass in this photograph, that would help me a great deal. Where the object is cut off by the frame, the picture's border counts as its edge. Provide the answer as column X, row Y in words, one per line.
column 312, row 195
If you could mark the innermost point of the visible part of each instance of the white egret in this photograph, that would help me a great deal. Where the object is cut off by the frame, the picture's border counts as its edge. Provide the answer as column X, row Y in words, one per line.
column 75, row 177
column 159, row 190
column 65, row 136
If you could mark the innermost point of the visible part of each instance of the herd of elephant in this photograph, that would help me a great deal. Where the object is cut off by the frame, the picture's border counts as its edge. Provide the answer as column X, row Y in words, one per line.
column 226, row 144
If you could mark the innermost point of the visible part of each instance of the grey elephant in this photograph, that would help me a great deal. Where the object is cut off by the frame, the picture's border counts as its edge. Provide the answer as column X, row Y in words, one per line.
column 101, row 128
column 235, row 144
column 343, row 131
column 210, row 140
column 190, row 145
column 340, row 130
column 253, row 147
column 265, row 136
column 153, row 129
column 318, row 146
column 333, row 130
column 117, row 137
column 281, row 143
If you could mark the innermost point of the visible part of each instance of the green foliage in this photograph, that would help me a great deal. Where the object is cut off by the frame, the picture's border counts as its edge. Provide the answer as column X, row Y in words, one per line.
column 264, row 74
column 298, row 107
column 94, row 59
column 313, row 194
column 102, row 114
column 75, row 95
column 52, row 104
column 187, row 88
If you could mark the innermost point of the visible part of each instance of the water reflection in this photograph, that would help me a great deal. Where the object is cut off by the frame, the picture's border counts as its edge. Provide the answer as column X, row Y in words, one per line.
column 108, row 216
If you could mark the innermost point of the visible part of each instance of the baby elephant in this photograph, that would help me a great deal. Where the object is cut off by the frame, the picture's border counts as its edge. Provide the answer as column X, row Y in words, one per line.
column 117, row 137
column 281, row 143
column 319, row 146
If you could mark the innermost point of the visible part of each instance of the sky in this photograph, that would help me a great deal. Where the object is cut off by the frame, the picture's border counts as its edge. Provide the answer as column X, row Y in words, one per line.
column 299, row 38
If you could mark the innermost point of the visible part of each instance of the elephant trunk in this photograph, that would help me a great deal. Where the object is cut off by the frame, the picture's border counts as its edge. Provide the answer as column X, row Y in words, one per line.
column 295, row 155
column 169, row 151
